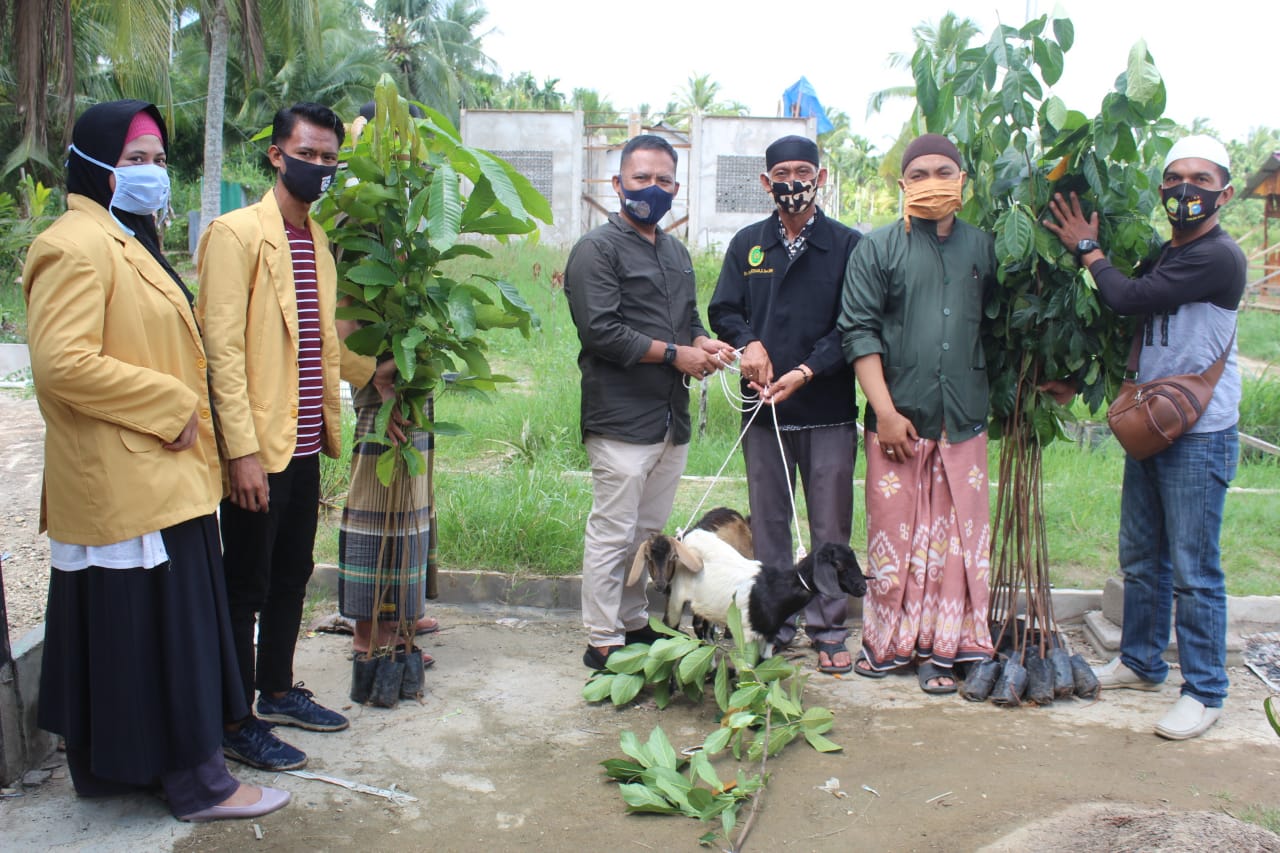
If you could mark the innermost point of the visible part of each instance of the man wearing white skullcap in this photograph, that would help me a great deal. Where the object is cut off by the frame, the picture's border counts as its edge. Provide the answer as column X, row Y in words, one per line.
column 1171, row 506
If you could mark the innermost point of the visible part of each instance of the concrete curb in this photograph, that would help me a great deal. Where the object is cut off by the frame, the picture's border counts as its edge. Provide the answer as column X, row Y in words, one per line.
column 564, row 592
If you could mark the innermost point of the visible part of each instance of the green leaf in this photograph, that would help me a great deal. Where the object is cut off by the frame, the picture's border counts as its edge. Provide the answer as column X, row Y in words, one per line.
column 626, row 771
column 774, row 668
column 372, row 272
column 625, row 687
column 462, row 313
column 1055, row 112
column 664, row 755
column 504, row 188
column 700, row 766
column 722, row 684
column 367, row 340
column 693, row 668
column 1049, row 57
column 1143, row 80
column 628, row 659
column 500, row 224
column 821, row 743
column 641, row 798
column 357, row 312
column 816, row 719
column 632, row 747
column 661, row 691
column 1065, row 32
column 479, row 202
column 717, row 741
column 459, row 249
column 444, row 208
column 598, row 688
column 702, row 802
column 386, row 465
column 1015, row 236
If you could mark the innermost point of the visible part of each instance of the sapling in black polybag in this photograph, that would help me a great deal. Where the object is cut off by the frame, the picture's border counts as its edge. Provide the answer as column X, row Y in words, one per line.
column 979, row 680
column 1039, row 679
column 411, row 686
column 1087, row 686
column 1064, row 683
column 386, row 682
column 363, row 668
column 1012, row 685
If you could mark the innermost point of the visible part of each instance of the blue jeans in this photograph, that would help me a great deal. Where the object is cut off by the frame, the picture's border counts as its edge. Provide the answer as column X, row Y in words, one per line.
column 1170, row 520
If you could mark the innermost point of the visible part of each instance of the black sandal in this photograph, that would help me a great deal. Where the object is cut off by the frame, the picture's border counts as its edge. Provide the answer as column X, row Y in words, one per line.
column 868, row 672
column 831, row 650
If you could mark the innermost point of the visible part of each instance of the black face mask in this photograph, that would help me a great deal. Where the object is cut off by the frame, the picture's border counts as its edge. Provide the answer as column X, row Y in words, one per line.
column 1187, row 206
column 306, row 181
column 794, row 196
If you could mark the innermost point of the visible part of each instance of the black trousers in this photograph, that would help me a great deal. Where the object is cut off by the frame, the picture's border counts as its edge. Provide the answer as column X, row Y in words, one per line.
column 268, row 563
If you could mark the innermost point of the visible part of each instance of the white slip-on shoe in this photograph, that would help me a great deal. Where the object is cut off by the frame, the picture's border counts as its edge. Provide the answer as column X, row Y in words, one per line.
column 1116, row 674
column 1187, row 719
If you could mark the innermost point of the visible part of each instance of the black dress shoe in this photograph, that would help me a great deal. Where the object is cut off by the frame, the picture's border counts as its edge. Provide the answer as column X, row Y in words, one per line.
column 643, row 635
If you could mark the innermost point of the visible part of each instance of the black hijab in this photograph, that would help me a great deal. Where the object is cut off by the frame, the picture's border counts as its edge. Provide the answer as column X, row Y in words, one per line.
column 100, row 132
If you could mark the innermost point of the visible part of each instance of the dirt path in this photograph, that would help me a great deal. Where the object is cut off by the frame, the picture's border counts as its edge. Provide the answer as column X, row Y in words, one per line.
column 503, row 755
column 25, row 550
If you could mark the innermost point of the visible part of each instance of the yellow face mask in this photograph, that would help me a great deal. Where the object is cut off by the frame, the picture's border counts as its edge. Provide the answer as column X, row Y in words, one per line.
column 932, row 198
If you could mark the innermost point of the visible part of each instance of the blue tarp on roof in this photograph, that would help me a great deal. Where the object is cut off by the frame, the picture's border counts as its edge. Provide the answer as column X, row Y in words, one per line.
column 801, row 100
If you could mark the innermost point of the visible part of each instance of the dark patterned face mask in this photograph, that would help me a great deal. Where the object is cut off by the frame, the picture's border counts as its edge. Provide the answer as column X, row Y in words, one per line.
column 1187, row 205
column 795, row 196
column 306, row 181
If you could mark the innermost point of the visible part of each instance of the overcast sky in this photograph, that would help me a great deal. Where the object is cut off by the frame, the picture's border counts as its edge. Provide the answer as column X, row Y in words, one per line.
column 1210, row 54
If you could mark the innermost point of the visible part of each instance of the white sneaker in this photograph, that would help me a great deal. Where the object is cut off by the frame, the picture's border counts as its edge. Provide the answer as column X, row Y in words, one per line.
column 1187, row 719
column 1116, row 674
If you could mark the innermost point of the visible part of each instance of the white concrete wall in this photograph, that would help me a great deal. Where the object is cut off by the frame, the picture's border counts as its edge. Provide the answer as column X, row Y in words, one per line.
column 711, row 226
column 557, row 133
column 582, row 168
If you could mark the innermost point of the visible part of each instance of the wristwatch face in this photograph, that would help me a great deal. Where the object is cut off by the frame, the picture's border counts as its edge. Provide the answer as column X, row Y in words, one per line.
column 1085, row 246
column 669, row 356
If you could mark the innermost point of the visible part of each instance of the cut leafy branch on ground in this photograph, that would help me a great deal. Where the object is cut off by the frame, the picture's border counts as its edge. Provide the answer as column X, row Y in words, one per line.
column 761, row 713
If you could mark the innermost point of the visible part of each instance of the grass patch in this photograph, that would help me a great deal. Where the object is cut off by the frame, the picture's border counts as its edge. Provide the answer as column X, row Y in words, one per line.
column 1259, row 335
column 513, row 494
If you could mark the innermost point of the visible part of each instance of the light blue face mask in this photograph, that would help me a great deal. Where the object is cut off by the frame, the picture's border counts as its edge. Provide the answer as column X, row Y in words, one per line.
column 142, row 189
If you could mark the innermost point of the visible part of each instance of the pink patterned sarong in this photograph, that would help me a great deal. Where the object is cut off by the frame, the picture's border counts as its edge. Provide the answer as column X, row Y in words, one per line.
column 929, row 549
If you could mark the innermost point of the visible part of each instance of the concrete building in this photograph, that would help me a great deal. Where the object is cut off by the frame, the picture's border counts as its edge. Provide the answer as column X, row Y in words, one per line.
column 571, row 163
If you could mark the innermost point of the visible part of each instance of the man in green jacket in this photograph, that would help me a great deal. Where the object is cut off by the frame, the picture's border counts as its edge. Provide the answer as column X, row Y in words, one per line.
column 911, row 312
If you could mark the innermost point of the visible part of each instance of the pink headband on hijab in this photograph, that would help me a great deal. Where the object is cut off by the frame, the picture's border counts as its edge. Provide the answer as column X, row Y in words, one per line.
column 142, row 125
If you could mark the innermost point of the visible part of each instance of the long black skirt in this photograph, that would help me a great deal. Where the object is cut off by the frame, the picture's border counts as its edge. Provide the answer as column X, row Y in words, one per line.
column 139, row 667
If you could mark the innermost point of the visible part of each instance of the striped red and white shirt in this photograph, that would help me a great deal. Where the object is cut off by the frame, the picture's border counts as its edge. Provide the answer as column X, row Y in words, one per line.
column 310, row 375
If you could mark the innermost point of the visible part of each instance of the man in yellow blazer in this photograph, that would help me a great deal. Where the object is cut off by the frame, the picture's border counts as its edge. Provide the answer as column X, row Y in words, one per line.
column 268, row 292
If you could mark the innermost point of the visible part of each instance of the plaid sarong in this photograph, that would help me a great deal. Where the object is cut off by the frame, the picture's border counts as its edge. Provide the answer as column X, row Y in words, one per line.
column 392, row 529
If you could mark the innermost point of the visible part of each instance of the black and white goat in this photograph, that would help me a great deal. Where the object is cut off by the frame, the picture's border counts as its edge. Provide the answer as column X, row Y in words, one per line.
column 708, row 574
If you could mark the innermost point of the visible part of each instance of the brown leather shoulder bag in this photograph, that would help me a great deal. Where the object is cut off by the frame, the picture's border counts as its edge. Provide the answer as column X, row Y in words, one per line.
column 1147, row 418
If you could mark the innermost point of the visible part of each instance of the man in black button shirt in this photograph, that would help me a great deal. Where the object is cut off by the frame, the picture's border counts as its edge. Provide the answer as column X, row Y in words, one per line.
column 778, row 299
column 632, row 296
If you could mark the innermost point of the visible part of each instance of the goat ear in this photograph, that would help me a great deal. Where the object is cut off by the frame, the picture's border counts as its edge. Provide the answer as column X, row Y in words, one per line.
column 691, row 561
column 637, row 565
column 824, row 573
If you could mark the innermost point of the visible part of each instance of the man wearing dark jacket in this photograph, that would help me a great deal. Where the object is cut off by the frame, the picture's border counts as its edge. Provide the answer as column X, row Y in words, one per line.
column 777, row 300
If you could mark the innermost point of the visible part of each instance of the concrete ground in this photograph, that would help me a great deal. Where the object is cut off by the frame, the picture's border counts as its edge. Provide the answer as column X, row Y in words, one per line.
column 503, row 755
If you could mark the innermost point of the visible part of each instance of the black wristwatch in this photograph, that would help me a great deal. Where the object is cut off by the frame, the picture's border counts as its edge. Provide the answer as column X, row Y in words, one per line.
column 669, row 356
column 1084, row 247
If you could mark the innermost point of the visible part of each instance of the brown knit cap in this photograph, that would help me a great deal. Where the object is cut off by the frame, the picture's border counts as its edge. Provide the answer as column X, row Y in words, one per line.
column 931, row 143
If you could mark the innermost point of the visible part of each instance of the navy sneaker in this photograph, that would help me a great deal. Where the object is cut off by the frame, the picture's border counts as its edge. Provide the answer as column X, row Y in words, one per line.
column 296, row 708
column 255, row 745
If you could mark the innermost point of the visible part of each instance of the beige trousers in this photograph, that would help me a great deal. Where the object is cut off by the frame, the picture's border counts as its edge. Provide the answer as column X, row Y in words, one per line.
column 634, row 486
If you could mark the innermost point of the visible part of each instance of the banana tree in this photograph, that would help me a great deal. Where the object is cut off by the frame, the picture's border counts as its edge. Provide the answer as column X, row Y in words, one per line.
column 1023, row 144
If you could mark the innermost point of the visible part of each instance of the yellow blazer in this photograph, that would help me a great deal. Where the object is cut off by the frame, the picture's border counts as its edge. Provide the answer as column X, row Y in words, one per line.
column 248, row 311
column 119, row 369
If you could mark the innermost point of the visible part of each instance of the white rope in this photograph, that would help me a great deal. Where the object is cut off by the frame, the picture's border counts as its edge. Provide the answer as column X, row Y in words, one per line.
column 743, row 403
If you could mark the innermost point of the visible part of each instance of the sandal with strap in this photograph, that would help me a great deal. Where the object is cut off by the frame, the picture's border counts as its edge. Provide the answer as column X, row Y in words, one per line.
column 831, row 649
column 929, row 671
column 867, row 671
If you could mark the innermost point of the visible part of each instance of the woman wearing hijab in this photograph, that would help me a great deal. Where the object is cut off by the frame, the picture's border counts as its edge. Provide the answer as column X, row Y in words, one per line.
column 137, row 637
